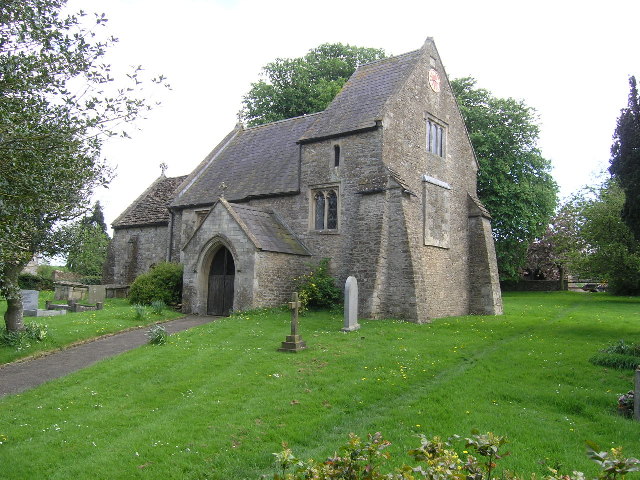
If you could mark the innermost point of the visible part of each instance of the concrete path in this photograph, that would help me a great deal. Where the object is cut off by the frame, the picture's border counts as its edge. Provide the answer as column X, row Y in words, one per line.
column 21, row 375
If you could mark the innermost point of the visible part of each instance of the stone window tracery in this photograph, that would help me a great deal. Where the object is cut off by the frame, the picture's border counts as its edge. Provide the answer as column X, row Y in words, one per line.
column 325, row 209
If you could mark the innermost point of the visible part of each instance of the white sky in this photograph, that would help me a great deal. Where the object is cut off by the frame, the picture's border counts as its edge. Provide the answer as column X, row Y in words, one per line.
column 570, row 60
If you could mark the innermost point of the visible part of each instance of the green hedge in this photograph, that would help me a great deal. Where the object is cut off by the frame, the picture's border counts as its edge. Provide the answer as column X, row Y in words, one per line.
column 162, row 282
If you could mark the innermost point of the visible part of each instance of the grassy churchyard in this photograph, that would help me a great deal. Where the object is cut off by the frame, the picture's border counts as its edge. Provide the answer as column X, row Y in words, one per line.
column 117, row 315
column 216, row 401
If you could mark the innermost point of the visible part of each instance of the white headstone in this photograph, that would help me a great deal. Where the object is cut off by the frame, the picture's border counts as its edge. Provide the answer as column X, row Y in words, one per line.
column 29, row 300
column 351, row 305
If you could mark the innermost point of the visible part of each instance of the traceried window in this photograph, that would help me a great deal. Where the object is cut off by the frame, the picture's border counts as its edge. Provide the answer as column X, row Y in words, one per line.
column 436, row 137
column 325, row 209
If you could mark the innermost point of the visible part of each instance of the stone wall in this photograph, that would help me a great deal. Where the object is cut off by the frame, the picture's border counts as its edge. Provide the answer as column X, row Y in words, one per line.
column 133, row 251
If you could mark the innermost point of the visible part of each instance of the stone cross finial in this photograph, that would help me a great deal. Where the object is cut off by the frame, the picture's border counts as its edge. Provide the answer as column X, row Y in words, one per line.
column 163, row 168
column 293, row 342
column 223, row 186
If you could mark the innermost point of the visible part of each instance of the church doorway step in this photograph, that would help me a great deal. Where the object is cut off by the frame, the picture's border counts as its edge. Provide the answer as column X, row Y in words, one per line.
column 221, row 277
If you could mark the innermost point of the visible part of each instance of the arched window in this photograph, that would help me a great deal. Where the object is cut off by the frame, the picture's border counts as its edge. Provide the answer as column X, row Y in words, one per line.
column 325, row 209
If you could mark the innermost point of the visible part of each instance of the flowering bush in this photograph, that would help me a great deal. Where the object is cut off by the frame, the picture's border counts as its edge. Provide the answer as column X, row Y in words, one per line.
column 317, row 289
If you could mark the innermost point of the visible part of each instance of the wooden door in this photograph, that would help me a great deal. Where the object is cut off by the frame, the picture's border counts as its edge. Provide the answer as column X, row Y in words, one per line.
column 221, row 277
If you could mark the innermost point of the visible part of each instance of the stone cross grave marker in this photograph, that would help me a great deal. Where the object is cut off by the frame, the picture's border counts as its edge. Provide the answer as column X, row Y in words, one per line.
column 293, row 342
column 351, row 305
column 29, row 302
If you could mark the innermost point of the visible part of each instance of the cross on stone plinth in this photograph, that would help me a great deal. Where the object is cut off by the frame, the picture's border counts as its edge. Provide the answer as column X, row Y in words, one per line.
column 163, row 168
column 293, row 342
column 223, row 188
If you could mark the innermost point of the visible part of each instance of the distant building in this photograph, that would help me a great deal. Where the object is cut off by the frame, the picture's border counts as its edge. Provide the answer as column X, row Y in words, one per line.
column 382, row 182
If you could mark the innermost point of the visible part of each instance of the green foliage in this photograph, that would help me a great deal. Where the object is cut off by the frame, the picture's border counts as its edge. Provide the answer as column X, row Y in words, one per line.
column 514, row 180
column 33, row 331
column 46, row 271
column 91, row 280
column 437, row 459
column 613, row 464
column 297, row 86
column 139, row 312
column 28, row 281
column 625, row 159
column 163, row 282
column 87, row 243
column 58, row 103
column 599, row 244
column 620, row 355
column 158, row 306
column 157, row 335
column 317, row 289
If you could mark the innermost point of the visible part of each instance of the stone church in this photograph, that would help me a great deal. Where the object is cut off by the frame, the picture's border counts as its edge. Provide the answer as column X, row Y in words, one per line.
column 382, row 182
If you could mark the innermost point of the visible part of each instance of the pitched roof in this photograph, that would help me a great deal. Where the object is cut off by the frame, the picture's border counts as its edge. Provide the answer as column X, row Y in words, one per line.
column 253, row 162
column 150, row 208
column 360, row 103
column 263, row 227
column 267, row 231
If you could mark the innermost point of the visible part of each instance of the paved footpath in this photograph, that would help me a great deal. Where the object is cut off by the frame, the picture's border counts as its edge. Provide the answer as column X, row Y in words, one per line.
column 21, row 375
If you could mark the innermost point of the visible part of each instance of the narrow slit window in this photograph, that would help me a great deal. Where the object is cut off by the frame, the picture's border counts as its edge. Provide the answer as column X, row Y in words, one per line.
column 336, row 155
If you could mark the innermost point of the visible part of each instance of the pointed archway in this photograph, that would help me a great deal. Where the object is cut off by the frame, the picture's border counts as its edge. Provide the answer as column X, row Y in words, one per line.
column 221, row 283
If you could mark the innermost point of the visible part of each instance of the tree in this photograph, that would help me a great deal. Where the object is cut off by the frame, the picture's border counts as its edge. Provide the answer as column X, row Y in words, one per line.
column 604, row 246
column 87, row 247
column 625, row 159
column 514, row 180
column 297, row 86
column 58, row 103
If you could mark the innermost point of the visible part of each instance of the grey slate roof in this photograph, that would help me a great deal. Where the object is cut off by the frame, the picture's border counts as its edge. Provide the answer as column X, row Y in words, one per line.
column 266, row 231
column 150, row 208
column 361, row 101
column 252, row 162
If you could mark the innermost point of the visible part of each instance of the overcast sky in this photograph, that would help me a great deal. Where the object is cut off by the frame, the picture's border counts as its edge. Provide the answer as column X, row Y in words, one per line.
column 570, row 60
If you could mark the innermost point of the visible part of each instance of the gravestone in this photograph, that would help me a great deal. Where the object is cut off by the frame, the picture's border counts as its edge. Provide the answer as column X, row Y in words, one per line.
column 351, row 305
column 97, row 294
column 293, row 343
column 29, row 302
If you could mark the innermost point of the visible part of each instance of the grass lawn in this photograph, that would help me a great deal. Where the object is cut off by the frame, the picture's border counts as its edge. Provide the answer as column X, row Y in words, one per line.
column 217, row 400
column 66, row 329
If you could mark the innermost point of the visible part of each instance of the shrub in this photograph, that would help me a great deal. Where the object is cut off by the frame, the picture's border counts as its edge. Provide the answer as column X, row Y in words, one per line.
column 28, row 281
column 437, row 459
column 32, row 331
column 615, row 360
column 162, row 282
column 157, row 335
column 620, row 355
column 317, row 289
